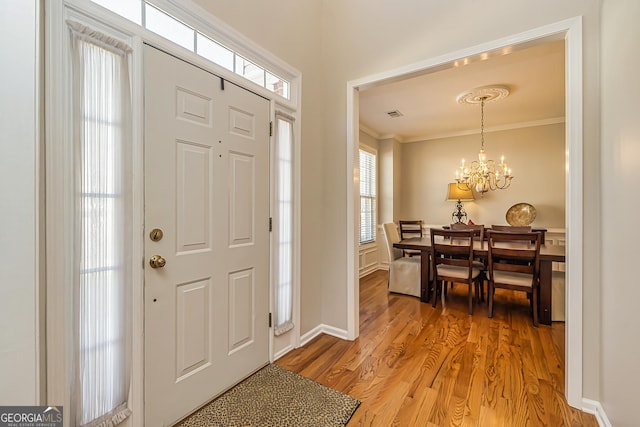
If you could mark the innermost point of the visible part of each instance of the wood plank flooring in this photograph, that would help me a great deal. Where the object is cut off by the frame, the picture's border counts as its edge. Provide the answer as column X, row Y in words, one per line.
column 414, row 365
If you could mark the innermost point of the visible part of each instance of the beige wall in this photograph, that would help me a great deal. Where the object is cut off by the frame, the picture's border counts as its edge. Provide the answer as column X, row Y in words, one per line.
column 620, row 149
column 385, row 181
column 535, row 154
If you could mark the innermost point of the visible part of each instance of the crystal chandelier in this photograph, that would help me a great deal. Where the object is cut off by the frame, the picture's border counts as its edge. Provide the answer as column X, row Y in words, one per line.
column 483, row 175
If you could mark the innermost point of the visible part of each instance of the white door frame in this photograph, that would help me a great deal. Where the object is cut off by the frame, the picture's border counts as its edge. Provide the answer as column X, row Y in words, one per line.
column 571, row 31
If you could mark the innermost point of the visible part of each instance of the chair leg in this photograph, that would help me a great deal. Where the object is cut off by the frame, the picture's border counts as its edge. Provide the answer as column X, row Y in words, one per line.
column 436, row 290
column 471, row 296
column 534, row 299
column 479, row 284
column 490, row 296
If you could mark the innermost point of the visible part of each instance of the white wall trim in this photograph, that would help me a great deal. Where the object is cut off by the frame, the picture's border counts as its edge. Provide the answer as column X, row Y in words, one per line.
column 511, row 126
column 367, row 130
column 282, row 352
column 574, row 211
column 571, row 29
column 59, row 177
column 594, row 407
column 323, row 329
column 353, row 206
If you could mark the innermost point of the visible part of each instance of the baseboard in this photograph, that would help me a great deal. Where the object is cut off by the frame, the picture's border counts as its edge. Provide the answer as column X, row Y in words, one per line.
column 368, row 270
column 594, row 407
column 323, row 329
column 282, row 352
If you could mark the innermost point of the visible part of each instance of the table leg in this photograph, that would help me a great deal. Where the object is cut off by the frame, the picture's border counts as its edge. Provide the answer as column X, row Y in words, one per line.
column 544, row 302
column 425, row 291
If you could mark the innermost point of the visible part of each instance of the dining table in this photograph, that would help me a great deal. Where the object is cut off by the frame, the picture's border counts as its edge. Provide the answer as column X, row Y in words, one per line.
column 548, row 254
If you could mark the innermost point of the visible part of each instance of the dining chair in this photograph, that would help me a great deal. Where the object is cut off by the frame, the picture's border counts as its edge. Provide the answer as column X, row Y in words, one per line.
column 478, row 232
column 514, row 263
column 408, row 230
column 452, row 261
column 404, row 272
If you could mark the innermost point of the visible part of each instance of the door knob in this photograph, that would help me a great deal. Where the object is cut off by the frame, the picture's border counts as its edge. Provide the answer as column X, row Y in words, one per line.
column 157, row 261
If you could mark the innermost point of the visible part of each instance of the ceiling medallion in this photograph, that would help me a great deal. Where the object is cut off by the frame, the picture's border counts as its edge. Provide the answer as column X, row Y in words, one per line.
column 485, row 93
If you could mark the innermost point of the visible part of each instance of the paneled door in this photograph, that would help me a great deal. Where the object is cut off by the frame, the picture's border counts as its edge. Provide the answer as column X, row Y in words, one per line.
column 206, row 236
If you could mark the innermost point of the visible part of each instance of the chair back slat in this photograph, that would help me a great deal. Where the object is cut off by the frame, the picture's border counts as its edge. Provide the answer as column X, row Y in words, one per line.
column 515, row 252
column 410, row 228
column 512, row 228
column 478, row 229
column 455, row 247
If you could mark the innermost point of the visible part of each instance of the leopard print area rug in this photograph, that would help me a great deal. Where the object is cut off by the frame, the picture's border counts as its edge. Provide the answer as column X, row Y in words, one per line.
column 276, row 397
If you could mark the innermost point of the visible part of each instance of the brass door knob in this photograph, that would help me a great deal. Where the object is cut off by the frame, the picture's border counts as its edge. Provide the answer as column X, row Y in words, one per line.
column 157, row 261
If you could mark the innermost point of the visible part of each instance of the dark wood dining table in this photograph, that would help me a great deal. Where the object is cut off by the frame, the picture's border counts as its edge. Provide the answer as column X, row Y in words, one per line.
column 548, row 254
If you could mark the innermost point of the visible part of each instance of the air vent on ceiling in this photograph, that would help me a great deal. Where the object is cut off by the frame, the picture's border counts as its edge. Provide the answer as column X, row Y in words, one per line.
column 395, row 113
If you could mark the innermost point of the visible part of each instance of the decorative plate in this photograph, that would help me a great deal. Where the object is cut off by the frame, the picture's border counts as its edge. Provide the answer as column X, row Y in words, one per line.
column 521, row 214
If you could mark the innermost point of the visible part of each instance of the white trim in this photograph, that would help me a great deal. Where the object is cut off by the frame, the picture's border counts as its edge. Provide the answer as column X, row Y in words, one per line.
column 353, row 206
column 323, row 329
column 281, row 353
column 367, row 130
column 136, row 399
column 594, row 407
column 39, row 200
column 574, row 212
column 572, row 31
column 59, row 177
column 510, row 126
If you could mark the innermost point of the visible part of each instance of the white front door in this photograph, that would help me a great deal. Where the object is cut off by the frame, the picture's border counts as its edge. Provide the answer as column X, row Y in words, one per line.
column 207, row 189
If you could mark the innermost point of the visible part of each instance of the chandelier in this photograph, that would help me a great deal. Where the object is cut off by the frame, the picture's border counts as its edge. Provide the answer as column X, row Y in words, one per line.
column 483, row 175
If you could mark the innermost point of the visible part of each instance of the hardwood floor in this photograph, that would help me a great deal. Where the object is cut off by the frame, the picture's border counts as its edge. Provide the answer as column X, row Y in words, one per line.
column 414, row 365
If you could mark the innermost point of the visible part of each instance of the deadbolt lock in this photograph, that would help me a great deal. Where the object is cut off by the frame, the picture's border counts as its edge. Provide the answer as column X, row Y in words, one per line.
column 156, row 234
column 157, row 261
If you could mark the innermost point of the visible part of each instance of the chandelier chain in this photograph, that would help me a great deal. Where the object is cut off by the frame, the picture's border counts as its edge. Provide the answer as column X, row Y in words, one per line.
column 482, row 123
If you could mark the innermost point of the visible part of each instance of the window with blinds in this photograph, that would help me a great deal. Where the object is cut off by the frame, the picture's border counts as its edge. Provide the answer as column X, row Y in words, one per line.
column 368, row 195
column 283, row 225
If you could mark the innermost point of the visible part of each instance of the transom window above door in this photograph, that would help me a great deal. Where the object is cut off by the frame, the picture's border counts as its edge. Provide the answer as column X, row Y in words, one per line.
column 154, row 19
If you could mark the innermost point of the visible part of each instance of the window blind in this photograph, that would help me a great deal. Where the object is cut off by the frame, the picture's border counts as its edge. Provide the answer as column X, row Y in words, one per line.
column 368, row 196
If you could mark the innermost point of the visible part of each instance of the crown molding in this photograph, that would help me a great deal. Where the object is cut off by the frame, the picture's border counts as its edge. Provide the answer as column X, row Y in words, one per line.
column 366, row 129
column 511, row 126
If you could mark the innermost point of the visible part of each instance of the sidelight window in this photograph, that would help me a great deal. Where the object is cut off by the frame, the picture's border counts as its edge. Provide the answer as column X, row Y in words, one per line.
column 102, row 282
column 283, row 225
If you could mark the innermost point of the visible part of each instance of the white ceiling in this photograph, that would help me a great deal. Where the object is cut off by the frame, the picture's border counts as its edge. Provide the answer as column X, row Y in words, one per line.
column 535, row 76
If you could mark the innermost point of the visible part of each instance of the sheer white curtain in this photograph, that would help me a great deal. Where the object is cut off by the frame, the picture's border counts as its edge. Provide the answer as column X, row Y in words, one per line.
column 103, row 228
column 284, row 225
